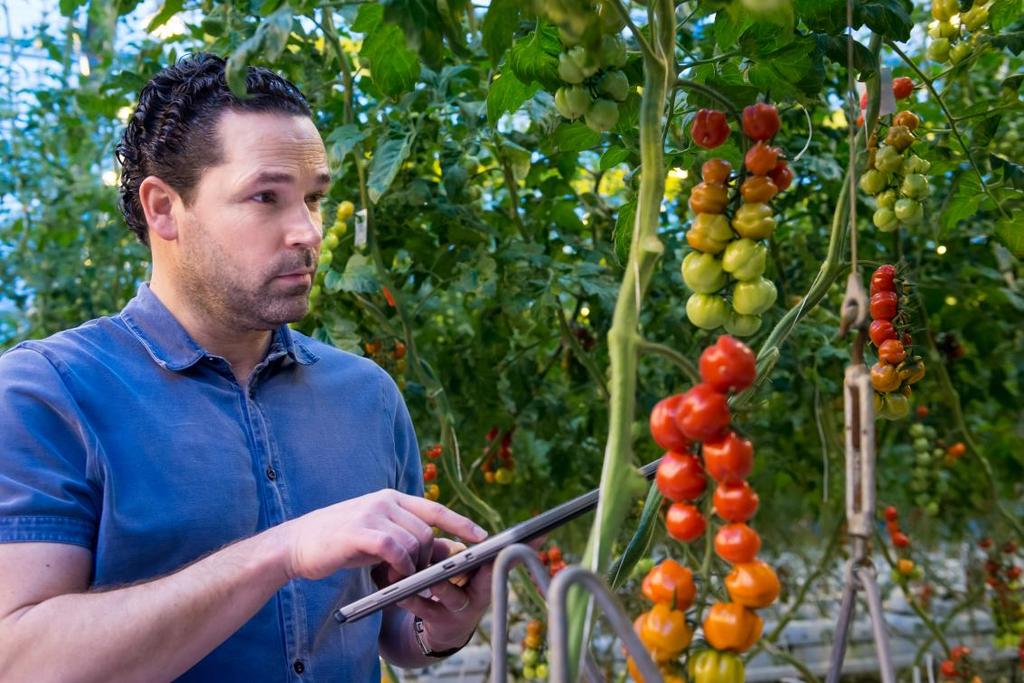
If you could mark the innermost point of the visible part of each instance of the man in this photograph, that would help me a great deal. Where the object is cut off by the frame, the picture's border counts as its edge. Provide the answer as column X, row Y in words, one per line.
column 188, row 488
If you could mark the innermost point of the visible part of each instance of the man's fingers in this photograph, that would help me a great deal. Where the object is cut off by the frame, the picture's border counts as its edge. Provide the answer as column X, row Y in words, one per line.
column 380, row 544
column 479, row 588
column 453, row 598
column 447, row 520
column 424, row 608
column 420, row 530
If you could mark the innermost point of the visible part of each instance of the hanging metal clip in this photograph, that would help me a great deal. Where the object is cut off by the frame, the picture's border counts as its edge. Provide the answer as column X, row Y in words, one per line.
column 854, row 312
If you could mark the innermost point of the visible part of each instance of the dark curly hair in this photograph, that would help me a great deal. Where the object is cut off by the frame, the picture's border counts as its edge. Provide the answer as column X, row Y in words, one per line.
column 172, row 134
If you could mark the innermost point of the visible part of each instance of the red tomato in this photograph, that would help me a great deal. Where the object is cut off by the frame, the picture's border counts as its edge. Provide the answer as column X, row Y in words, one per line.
column 703, row 413
column 761, row 121
column 902, row 87
column 892, row 352
column 900, row 540
column 882, row 280
column 729, row 460
column 737, row 543
column 429, row 472
column 880, row 331
column 710, row 128
column 716, row 171
column 761, row 159
column 728, row 365
column 891, row 515
column 884, row 305
column 684, row 522
column 735, row 502
column 681, row 476
column 663, row 425
column 555, row 554
column 781, row 175
column 948, row 668
column 985, row 543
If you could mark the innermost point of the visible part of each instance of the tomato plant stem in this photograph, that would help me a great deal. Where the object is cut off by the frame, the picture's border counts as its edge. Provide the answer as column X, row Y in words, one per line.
column 682, row 362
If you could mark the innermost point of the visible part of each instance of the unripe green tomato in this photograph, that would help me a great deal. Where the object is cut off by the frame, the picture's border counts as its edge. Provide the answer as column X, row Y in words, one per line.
column 568, row 70
column 885, row 219
column 915, row 186
column 887, row 159
column 754, row 297
column 886, row 200
column 897, row 406
column 325, row 259
column 703, row 273
column 602, row 115
column 530, row 656
column 944, row 10
column 613, row 51
column 470, row 164
column 909, row 211
column 745, row 259
column 568, row 101
column 938, row 453
column 934, row 30
column 542, row 671
column 915, row 164
column 917, row 429
column 938, row 50
column 475, row 192
column 615, row 85
column 754, row 220
column 873, row 181
column 314, row 293
column 932, row 509
column 975, row 18
column 921, row 444
column 947, row 29
column 742, row 325
column 529, row 673
column 583, row 60
column 330, row 242
column 960, row 52
column 707, row 311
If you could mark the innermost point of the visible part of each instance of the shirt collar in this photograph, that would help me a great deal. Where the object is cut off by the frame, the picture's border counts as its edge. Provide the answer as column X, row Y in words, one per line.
column 172, row 348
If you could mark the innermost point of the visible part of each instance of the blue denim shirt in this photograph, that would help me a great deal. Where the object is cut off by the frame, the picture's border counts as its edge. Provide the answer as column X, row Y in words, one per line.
column 124, row 436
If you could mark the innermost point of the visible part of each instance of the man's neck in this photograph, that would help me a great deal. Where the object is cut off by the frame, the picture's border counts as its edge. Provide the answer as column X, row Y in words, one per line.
column 243, row 349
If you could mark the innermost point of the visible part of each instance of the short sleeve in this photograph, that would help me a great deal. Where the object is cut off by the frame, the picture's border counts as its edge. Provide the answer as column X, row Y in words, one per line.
column 407, row 450
column 45, row 494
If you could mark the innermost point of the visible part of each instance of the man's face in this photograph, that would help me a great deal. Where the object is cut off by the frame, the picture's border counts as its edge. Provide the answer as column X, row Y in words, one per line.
column 250, row 241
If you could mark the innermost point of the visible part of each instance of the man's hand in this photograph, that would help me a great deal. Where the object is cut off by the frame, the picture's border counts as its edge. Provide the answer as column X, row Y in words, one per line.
column 385, row 526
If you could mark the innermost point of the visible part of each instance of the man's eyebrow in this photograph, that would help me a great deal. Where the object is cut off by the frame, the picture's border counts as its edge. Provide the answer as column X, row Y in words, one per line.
column 270, row 177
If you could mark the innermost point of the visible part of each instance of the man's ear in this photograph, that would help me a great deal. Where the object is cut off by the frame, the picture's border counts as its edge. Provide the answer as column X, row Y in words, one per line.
column 157, row 199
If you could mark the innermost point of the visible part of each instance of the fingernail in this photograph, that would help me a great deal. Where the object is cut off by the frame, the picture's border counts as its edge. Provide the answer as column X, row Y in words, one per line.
column 480, row 532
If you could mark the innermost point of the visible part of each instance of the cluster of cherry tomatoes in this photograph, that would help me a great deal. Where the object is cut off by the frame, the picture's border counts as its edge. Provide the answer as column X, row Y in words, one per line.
column 532, row 657
column 391, row 359
column 905, row 568
column 327, row 246
column 896, row 176
column 504, row 472
column 958, row 666
column 729, row 250
column 895, row 370
column 431, row 489
column 930, row 477
column 552, row 559
column 663, row 629
column 955, row 31
column 701, row 415
column 1006, row 596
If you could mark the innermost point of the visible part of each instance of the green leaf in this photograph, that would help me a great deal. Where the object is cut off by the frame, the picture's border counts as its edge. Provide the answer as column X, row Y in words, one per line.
column 623, row 234
column 891, row 18
column 613, row 156
column 342, row 332
column 1012, row 41
column 535, row 57
column 268, row 42
column 68, row 7
column 1012, row 172
column 506, row 94
column 391, row 152
column 359, row 276
column 730, row 23
column 370, row 16
column 783, row 72
column 394, row 68
column 836, row 48
column 500, row 23
column 343, row 140
column 576, row 137
column 1003, row 13
column 170, row 8
column 1011, row 234
column 964, row 203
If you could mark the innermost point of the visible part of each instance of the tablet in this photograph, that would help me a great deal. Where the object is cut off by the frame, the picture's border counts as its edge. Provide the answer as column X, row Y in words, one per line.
column 473, row 557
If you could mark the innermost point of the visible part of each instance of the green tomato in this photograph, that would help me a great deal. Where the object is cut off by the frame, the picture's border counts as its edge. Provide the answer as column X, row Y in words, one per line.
column 895, row 406
column 887, row 159
column 960, row 52
column 325, row 259
column 568, row 70
column 572, row 101
column 615, row 85
column 529, row 673
column 754, row 297
column 314, row 293
column 937, row 453
column 602, row 115
column 542, row 671
column 915, row 164
column 944, row 10
column 582, row 58
column 745, row 259
column 873, row 181
column 742, row 325
column 924, row 458
column 885, row 220
column 908, row 211
column 530, row 656
column 886, row 200
column 707, row 311
column 921, row 444
column 754, row 220
column 703, row 272
column 330, row 242
column 917, row 429
column 613, row 51
column 938, row 50
column 975, row 18
column 915, row 186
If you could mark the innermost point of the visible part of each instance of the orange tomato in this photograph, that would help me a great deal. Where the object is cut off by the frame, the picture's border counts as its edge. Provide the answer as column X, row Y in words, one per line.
column 753, row 584
column 709, row 198
column 716, row 171
column 758, row 188
column 761, row 159
column 737, row 543
column 665, row 632
column 729, row 626
column 670, row 583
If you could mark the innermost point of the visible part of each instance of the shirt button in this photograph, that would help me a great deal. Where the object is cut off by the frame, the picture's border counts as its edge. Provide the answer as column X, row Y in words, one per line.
column 298, row 666
column 271, row 473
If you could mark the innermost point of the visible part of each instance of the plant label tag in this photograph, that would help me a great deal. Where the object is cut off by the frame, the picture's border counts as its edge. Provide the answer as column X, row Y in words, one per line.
column 360, row 228
column 888, row 101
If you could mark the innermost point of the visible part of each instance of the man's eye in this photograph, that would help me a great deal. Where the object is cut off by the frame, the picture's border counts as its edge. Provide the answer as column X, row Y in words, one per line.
column 315, row 199
column 264, row 197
